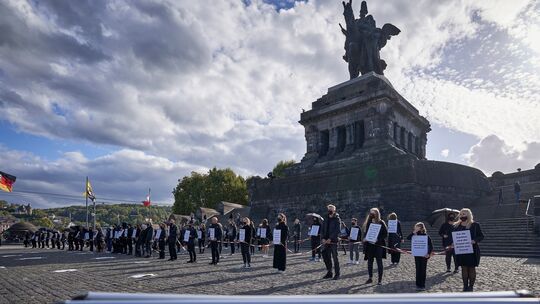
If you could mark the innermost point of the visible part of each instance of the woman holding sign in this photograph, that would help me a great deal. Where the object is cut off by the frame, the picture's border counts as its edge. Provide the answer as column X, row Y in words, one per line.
column 315, row 239
column 264, row 236
column 466, row 236
column 395, row 237
column 281, row 232
column 354, row 246
column 422, row 247
column 374, row 238
column 245, row 235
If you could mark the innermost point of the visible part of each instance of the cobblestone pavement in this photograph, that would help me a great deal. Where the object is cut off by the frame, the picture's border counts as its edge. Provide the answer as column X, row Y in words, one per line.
column 28, row 275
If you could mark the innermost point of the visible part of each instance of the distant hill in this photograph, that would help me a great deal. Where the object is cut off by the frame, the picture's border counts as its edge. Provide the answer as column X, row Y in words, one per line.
column 107, row 215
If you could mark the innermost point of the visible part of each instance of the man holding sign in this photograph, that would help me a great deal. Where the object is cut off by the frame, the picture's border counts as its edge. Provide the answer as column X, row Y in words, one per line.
column 421, row 247
column 189, row 238
column 354, row 238
column 215, row 233
column 374, row 238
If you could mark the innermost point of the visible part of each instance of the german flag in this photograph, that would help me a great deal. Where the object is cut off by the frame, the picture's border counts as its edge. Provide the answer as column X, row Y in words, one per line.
column 6, row 181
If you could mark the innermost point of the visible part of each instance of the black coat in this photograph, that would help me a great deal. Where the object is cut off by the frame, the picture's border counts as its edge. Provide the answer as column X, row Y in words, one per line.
column 394, row 239
column 218, row 232
column 173, row 233
column 471, row 259
column 446, row 229
column 249, row 233
column 372, row 250
column 331, row 228
column 149, row 234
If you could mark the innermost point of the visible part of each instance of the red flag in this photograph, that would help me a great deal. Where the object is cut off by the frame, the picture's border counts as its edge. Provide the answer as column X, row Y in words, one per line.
column 147, row 202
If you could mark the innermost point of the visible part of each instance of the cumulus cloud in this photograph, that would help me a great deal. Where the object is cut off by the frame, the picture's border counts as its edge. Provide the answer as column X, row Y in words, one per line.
column 221, row 83
column 125, row 174
column 494, row 154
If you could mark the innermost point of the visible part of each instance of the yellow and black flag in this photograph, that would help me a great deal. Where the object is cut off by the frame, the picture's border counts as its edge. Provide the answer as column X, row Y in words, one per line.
column 89, row 192
column 6, row 181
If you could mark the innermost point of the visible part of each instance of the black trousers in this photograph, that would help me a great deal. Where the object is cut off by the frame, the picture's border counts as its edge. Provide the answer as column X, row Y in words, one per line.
column 395, row 257
column 214, row 247
column 330, row 253
column 161, row 245
column 172, row 249
column 130, row 246
column 315, row 242
column 246, row 254
column 191, row 250
column 420, row 264
column 296, row 243
column 201, row 246
column 280, row 257
column 379, row 267
column 449, row 255
column 232, row 246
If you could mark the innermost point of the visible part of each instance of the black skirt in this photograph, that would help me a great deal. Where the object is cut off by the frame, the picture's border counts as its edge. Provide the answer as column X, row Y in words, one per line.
column 470, row 259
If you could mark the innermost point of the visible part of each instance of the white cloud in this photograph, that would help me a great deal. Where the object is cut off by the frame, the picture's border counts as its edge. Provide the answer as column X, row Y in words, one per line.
column 219, row 83
column 445, row 153
column 493, row 154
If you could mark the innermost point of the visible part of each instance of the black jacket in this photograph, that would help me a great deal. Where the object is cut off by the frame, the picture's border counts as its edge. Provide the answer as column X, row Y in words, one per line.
column 331, row 228
column 218, row 232
column 296, row 229
column 284, row 232
column 173, row 233
column 446, row 229
column 149, row 233
column 248, row 235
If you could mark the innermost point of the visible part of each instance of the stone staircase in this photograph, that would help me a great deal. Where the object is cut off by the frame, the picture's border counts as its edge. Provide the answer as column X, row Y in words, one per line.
column 510, row 237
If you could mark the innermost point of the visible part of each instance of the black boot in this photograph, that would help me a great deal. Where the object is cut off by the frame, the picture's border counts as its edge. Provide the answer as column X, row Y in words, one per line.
column 328, row 275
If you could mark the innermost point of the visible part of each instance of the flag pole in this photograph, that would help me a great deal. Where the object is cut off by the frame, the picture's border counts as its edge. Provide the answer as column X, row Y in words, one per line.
column 94, row 214
column 86, row 196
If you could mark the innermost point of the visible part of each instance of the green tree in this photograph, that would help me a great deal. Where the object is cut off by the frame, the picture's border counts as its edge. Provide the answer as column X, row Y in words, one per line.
column 42, row 222
column 279, row 169
column 207, row 190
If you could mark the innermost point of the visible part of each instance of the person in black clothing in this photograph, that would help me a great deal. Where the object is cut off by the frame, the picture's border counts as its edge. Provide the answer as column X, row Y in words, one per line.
column 343, row 236
column 446, row 233
column 34, row 240
column 201, row 235
column 141, row 241
column 161, row 240
column 315, row 239
column 100, row 244
column 469, row 262
column 191, row 242
column 265, row 236
column 247, row 232
column 517, row 191
column 91, row 238
column 232, row 234
column 129, row 239
column 297, row 230
column 420, row 262
column 374, row 251
column 172, row 239
column 252, row 248
column 149, row 235
column 215, row 234
column 280, row 247
column 395, row 240
column 330, row 238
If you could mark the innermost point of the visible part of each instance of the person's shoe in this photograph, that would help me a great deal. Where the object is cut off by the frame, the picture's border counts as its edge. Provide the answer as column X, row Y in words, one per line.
column 248, row 266
column 379, row 282
column 312, row 260
column 470, row 289
column 369, row 281
column 420, row 288
column 328, row 275
column 336, row 277
column 448, row 270
column 465, row 288
column 456, row 270
column 211, row 263
column 349, row 262
column 356, row 262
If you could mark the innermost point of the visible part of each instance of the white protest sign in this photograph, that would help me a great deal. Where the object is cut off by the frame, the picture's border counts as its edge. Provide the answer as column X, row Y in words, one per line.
column 373, row 233
column 134, row 234
column 187, row 234
column 354, row 233
column 212, row 232
column 158, row 234
column 462, row 242
column 277, row 236
column 419, row 245
column 314, row 231
column 258, row 231
column 392, row 226
column 86, row 235
column 242, row 235
column 111, row 234
column 116, row 234
column 199, row 234
column 263, row 233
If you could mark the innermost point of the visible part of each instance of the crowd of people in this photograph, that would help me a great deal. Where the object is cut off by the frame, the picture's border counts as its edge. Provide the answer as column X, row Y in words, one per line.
column 325, row 235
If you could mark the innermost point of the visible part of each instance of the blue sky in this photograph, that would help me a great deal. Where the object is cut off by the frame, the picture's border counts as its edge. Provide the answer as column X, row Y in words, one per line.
column 137, row 95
